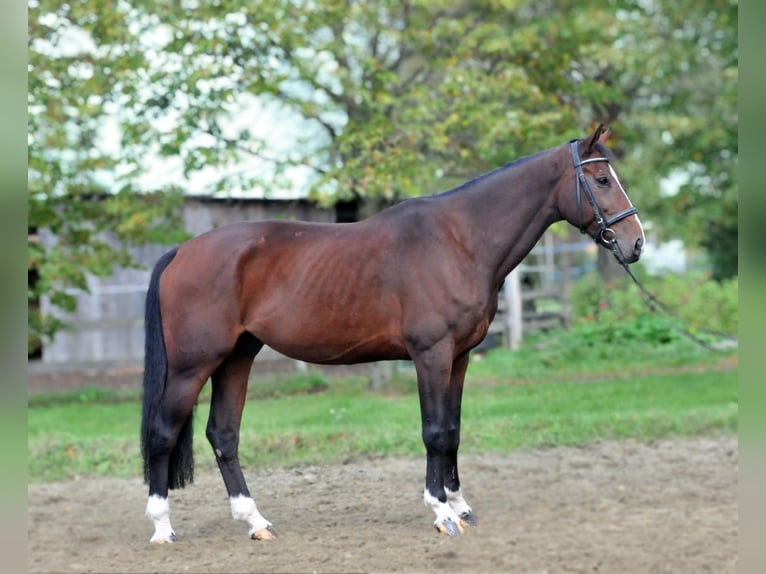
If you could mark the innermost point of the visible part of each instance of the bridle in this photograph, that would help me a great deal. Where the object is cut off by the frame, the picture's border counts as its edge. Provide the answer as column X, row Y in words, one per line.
column 605, row 234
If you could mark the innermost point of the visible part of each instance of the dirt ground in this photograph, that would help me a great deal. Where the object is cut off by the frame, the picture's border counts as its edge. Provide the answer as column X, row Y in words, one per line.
column 670, row 506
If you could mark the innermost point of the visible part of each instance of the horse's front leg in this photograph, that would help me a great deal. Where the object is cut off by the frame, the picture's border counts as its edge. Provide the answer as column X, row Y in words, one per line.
column 451, row 478
column 440, row 396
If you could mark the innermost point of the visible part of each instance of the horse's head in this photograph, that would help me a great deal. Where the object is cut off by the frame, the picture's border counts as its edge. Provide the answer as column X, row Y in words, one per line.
column 592, row 198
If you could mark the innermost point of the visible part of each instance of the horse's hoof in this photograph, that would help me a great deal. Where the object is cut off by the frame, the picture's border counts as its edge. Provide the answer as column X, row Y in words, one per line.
column 163, row 539
column 268, row 533
column 449, row 527
column 469, row 519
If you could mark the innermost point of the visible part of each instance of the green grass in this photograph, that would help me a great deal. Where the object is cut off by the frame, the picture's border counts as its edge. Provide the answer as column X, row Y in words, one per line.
column 305, row 420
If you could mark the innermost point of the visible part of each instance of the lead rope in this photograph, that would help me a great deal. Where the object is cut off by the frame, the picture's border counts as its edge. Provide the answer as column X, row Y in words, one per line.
column 657, row 306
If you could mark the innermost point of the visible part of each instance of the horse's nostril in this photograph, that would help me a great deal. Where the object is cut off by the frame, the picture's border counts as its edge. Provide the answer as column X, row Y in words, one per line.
column 639, row 244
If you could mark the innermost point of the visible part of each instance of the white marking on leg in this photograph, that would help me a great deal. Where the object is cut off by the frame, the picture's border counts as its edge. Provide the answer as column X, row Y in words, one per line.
column 158, row 511
column 442, row 510
column 457, row 502
column 244, row 508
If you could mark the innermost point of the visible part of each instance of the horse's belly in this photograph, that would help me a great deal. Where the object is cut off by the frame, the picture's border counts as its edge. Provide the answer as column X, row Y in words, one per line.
column 341, row 352
column 344, row 324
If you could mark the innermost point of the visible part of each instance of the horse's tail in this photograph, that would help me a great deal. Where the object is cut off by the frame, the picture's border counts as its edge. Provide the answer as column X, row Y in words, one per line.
column 181, row 468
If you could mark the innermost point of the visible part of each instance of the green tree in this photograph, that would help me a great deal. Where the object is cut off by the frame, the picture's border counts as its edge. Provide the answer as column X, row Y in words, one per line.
column 399, row 97
column 684, row 116
column 407, row 98
column 82, row 64
column 664, row 75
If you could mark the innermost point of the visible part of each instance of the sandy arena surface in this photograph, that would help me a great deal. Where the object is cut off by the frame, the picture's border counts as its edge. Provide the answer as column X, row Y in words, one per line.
column 670, row 506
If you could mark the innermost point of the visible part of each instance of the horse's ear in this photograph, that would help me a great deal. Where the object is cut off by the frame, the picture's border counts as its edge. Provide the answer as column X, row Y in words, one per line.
column 599, row 136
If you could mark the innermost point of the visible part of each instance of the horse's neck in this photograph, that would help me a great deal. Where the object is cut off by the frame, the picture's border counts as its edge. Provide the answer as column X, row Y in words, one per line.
column 507, row 212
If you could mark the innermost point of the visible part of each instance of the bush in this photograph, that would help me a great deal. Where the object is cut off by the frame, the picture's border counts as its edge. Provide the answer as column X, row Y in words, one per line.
column 614, row 331
column 701, row 303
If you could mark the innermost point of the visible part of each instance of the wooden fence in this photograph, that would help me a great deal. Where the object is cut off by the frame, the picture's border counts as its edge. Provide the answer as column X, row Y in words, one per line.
column 535, row 295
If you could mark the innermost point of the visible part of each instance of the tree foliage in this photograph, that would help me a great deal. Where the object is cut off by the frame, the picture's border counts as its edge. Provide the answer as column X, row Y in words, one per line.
column 684, row 125
column 384, row 99
column 82, row 62
column 405, row 98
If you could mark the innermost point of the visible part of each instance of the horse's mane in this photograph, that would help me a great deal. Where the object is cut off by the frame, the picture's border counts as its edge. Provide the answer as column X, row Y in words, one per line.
column 507, row 166
column 599, row 147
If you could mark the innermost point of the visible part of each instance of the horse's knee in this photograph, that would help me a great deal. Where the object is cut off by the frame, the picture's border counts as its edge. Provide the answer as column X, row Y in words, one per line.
column 225, row 443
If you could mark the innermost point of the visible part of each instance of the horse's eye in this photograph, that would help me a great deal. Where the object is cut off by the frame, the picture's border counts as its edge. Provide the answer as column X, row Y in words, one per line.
column 603, row 180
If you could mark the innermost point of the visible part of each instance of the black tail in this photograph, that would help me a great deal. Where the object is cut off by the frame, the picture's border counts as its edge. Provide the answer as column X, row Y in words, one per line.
column 181, row 468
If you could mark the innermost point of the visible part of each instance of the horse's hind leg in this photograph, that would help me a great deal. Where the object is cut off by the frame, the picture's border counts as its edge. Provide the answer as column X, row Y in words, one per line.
column 170, row 459
column 229, row 392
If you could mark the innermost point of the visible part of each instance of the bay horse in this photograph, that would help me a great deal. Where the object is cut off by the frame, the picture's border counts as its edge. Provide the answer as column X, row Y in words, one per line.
column 417, row 281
